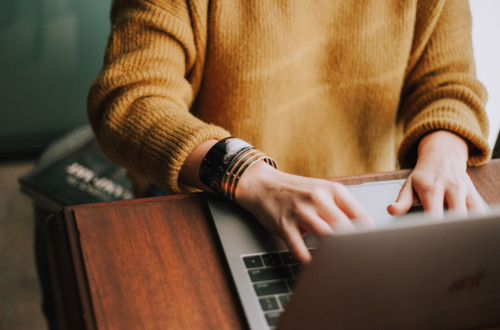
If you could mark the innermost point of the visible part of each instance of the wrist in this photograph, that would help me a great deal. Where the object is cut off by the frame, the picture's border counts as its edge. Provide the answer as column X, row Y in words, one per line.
column 226, row 161
column 258, row 178
column 443, row 144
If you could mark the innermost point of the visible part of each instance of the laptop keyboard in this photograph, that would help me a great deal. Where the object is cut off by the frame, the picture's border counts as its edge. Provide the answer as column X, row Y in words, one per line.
column 272, row 276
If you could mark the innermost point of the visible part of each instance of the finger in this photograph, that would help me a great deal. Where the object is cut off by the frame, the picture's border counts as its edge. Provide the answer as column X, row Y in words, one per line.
column 455, row 199
column 432, row 198
column 297, row 246
column 475, row 203
column 348, row 208
column 404, row 201
column 336, row 218
column 317, row 226
column 473, row 200
column 308, row 220
column 342, row 223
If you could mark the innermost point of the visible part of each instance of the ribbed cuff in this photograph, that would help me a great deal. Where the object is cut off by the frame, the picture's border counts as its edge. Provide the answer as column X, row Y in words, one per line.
column 172, row 136
column 463, row 124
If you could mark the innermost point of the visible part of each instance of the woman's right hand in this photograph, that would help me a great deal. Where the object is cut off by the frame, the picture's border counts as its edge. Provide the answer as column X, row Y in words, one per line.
column 291, row 205
column 287, row 205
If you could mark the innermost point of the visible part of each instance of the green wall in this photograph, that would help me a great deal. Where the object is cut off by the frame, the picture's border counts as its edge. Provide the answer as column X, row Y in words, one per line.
column 50, row 50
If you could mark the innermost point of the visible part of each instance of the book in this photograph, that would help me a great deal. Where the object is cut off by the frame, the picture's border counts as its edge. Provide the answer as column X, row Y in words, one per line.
column 74, row 170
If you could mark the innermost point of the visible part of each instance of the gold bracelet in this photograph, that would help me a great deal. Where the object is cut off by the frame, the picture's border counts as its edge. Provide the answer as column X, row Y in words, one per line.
column 224, row 164
column 244, row 161
column 233, row 168
column 240, row 167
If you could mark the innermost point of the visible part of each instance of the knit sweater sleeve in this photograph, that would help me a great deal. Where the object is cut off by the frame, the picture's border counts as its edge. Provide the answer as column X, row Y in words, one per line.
column 441, row 91
column 139, row 103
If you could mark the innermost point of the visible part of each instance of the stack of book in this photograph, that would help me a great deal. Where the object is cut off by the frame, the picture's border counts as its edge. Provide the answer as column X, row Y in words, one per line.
column 74, row 170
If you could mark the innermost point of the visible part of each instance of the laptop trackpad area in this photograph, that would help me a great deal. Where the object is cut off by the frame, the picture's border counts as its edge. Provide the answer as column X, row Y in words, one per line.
column 375, row 197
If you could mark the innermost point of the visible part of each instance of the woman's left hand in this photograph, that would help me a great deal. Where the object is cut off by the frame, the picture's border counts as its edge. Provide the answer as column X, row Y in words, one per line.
column 439, row 179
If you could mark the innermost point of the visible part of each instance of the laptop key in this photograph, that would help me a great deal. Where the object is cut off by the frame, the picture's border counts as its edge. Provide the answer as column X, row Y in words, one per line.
column 287, row 258
column 271, row 259
column 253, row 262
column 269, row 303
column 296, row 269
column 284, row 300
column 271, row 273
column 272, row 318
column 270, row 288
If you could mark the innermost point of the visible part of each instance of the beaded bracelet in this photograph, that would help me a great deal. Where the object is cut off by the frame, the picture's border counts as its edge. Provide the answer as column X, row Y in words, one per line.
column 225, row 162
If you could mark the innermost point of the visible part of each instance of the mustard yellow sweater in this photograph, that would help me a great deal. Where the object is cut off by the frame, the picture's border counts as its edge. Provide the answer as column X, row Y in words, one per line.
column 326, row 88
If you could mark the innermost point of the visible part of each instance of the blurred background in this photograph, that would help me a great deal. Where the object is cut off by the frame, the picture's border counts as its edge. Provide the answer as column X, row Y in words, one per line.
column 50, row 52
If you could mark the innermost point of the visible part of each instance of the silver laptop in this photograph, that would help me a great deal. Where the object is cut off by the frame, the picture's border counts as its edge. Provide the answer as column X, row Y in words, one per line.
column 409, row 272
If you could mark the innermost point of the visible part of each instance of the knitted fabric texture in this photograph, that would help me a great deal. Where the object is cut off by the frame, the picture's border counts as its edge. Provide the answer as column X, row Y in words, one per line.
column 326, row 88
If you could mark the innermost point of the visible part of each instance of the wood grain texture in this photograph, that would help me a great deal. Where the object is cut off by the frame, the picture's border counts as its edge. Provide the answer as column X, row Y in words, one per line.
column 156, row 263
column 486, row 178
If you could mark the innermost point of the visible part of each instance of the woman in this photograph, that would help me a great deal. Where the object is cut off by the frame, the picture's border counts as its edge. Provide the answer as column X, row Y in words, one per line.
column 325, row 88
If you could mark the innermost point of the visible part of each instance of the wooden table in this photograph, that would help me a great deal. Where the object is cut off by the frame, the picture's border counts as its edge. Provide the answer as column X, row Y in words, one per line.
column 156, row 263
